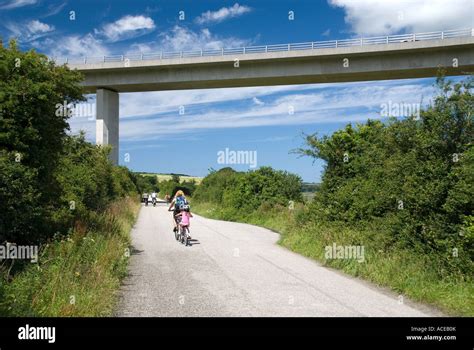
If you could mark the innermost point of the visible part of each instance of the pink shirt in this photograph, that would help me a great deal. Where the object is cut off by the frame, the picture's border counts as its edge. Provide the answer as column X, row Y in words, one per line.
column 185, row 218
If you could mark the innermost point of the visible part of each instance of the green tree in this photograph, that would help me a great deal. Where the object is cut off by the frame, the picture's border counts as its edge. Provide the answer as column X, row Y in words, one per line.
column 215, row 184
column 246, row 192
column 265, row 185
column 175, row 178
column 32, row 130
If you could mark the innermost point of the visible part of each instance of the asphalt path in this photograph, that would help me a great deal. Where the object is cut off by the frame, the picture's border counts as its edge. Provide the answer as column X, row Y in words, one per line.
column 233, row 269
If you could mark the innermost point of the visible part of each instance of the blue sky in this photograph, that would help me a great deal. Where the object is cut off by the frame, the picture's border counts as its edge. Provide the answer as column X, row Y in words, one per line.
column 154, row 136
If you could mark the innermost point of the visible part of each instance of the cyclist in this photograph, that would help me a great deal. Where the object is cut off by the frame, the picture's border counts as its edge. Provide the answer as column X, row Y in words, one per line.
column 178, row 200
column 185, row 214
column 153, row 197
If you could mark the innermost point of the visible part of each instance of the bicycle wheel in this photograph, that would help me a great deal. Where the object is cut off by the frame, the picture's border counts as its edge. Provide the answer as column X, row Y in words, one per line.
column 176, row 234
column 183, row 236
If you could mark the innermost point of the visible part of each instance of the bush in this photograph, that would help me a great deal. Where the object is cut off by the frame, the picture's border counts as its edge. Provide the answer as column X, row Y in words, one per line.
column 415, row 174
column 170, row 187
column 264, row 185
column 214, row 185
column 145, row 183
column 240, row 194
column 88, row 182
column 19, row 198
column 53, row 185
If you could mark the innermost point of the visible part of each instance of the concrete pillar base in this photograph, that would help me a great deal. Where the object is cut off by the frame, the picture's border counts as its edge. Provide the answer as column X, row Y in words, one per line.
column 107, row 122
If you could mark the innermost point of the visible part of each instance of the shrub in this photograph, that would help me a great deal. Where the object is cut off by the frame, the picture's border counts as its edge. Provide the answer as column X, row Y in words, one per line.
column 415, row 174
column 242, row 193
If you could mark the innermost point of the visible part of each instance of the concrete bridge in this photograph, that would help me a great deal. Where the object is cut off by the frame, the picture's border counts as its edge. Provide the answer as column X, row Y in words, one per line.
column 365, row 59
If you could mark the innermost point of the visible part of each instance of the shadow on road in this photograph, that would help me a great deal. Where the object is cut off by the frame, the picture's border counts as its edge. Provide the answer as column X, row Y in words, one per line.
column 193, row 242
column 135, row 251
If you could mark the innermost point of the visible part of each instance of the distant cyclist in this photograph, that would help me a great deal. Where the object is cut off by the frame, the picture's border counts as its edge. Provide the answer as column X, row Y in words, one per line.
column 153, row 197
column 178, row 200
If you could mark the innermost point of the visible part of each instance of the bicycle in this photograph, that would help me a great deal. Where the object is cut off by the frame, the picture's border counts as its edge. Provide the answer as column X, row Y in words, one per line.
column 182, row 232
column 176, row 231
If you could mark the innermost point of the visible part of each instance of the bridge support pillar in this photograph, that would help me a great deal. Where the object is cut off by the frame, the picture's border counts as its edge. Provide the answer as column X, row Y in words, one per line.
column 107, row 122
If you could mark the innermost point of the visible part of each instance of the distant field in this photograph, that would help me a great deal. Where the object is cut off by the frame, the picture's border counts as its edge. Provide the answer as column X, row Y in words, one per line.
column 308, row 187
column 164, row 177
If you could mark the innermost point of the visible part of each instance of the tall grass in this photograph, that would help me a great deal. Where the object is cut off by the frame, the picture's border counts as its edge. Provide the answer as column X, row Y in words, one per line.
column 407, row 272
column 77, row 275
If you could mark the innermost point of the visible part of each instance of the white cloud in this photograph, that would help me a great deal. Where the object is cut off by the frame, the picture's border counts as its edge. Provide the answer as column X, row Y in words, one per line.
column 149, row 116
column 222, row 14
column 75, row 46
column 375, row 17
column 127, row 27
column 36, row 26
column 176, row 39
column 152, row 103
column 54, row 9
column 257, row 101
column 181, row 38
column 273, row 139
column 155, row 128
column 13, row 4
column 29, row 31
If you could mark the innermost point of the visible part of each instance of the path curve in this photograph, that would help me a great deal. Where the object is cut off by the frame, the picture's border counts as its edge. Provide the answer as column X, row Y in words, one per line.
column 235, row 269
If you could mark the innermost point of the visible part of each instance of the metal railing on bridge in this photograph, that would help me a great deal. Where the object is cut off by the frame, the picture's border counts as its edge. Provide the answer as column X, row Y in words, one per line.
column 313, row 45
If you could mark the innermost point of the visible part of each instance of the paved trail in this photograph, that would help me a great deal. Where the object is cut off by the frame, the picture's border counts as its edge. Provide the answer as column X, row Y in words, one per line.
column 237, row 269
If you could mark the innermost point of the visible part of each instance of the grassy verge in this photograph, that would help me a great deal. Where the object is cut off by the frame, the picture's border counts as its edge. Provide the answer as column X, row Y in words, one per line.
column 406, row 272
column 78, row 275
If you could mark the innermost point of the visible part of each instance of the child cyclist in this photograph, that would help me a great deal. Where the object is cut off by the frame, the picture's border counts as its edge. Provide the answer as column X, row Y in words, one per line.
column 178, row 201
column 185, row 215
